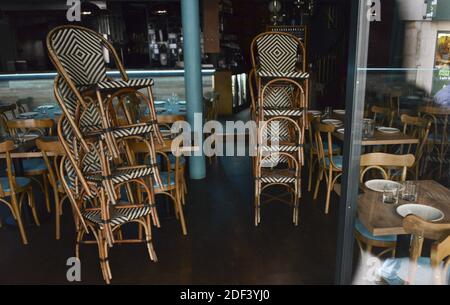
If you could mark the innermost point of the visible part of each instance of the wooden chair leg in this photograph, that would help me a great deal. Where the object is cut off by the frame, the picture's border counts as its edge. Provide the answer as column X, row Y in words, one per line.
column 179, row 207
column 319, row 178
column 57, row 214
column 329, row 185
column 32, row 204
column 16, row 211
column 46, row 192
column 149, row 241
column 310, row 170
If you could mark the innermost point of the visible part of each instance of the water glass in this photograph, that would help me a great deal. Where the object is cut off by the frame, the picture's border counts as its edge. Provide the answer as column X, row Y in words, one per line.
column 172, row 103
column 368, row 128
column 410, row 191
column 390, row 194
column 327, row 112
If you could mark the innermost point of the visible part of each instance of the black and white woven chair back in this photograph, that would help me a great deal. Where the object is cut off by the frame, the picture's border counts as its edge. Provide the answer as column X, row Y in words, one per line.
column 278, row 55
column 277, row 52
column 81, row 54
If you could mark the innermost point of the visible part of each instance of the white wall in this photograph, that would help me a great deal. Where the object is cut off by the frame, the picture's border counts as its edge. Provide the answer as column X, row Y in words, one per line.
column 419, row 50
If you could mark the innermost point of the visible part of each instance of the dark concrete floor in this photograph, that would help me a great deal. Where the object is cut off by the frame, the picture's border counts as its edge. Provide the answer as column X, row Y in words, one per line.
column 222, row 246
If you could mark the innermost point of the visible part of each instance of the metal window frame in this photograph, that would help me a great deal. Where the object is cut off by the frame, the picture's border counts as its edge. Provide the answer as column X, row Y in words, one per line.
column 354, row 105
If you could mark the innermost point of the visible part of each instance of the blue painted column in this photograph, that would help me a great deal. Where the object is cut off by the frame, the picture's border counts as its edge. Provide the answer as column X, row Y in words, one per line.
column 193, row 80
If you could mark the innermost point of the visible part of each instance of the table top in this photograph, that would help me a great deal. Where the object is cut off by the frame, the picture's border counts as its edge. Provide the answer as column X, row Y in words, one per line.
column 382, row 219
column 380, row 138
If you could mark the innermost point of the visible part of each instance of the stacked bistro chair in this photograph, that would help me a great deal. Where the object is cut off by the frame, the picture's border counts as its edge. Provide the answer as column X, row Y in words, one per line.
column 104, row 182
column 279, row 91
column 278, row 161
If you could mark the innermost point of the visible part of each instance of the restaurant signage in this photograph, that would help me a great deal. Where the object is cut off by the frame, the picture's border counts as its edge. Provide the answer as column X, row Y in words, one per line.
column 441, row 72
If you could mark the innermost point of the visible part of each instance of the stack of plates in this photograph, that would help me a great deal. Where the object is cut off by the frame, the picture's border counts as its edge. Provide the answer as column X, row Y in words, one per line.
column 340, row 130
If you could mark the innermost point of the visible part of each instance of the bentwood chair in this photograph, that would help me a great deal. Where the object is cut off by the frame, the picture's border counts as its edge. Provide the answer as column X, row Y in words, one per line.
column 52, row 153
column 24, row 104
column 330, row 165
column 93, row 216
column 382, row 163
column 34, row 167
column 419, row 128
column 417, row 269
column 78, row 55
column 313, row 151
column 439, row 137
column 383, row 116
column 278, row 162
column 11, row 187
column 7, row 112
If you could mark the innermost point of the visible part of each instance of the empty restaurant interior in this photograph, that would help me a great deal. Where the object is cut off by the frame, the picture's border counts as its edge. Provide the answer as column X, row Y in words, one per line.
column 211, row 142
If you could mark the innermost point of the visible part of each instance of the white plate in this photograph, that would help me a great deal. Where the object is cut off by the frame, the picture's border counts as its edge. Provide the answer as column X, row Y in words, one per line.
column 315, row 112
column 29, row 114
column 378, row 185
column 46, row 107
column 340, row 130
column 182, row 102
column 332, row 122
column 339, row 111
column 423, row 211
column 388, row 129
column 159, row 102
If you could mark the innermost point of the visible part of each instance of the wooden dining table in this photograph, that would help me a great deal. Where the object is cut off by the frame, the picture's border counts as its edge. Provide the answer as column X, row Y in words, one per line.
column 382, row 219
column 380, row 138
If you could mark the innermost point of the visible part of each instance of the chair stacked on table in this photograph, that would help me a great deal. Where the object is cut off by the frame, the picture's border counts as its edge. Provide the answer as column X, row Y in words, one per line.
column 279, row 87
column 101, row 177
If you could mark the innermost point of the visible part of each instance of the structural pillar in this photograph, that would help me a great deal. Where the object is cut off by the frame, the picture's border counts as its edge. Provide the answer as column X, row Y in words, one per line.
column 193, row 80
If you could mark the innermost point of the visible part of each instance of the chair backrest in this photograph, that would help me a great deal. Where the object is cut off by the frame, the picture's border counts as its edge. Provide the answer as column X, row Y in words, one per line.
column 324, row 131
column 417, row 127
column 5, row 148
column 282, row 93
column 440, row 122
column 383, row 115
column 54, row 148
column 23, row 104
column 440, row 249
column 383, row 162
column 277, row 51
column 42, row 126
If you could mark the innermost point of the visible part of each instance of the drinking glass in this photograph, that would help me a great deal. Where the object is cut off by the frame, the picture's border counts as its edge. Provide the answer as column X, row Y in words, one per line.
column 390, row 194
column 172, row 103
column 327, row 112
column 368, row 128
column 409, row 192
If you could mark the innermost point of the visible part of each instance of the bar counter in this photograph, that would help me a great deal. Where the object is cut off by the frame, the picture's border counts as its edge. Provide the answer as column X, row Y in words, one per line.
column 39, row 86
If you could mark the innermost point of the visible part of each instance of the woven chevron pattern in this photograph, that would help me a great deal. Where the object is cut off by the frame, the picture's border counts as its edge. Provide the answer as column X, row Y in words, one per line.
column 279, row 96
column 119, row 84
column 278, row 176
column 281, row 74
column 277, row 52
column 277, row 130
column 81, row 54
column 118, row 215
column 289, row 112
column 122, row 175
column 280, row 148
